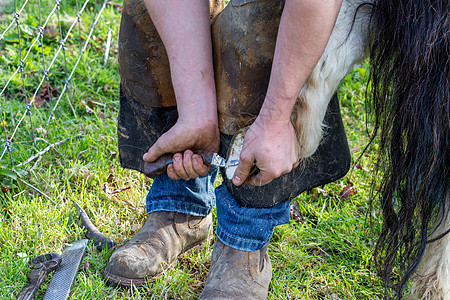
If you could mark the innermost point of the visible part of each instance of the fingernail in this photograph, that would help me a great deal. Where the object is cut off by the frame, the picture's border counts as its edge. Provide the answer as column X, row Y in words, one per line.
column 196, row 161
column 176, row 158
column 144, row 157
column 236, row 179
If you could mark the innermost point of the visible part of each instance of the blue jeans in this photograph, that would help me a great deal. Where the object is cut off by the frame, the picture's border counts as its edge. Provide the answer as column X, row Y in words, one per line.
column 242, row 228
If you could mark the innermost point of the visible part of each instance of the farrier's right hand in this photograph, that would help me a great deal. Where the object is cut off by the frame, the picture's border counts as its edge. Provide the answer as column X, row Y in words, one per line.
column 187, row 136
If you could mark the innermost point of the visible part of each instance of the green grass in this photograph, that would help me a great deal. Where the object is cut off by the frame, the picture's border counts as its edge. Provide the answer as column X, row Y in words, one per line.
column 325, row 253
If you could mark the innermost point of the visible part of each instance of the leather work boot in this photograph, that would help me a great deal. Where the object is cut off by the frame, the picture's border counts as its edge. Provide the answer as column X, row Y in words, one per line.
column 238, row 275
column 156, row 247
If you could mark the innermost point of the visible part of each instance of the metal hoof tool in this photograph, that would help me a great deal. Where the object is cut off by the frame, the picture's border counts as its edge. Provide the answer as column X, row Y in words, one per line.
column 42, row 265
column 101, row 241
column 62, row 280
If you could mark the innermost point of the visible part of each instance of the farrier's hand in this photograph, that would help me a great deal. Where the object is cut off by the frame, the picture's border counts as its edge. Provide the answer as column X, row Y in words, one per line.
column 272, row 146
column 187, row 135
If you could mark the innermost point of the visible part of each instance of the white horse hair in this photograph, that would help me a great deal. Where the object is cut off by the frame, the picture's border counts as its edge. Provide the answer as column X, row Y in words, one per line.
column 346, row 47
column 432, row 279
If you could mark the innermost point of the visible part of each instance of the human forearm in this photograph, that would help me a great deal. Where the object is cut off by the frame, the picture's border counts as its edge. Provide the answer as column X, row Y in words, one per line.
column 271, row 142
column 184, row 27
column 304, row 31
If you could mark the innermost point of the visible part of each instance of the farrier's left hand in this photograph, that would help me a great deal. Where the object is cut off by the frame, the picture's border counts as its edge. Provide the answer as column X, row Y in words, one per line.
column 272, row 146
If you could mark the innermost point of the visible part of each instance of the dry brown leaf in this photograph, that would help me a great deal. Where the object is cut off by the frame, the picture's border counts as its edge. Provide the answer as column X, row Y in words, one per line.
column 348, row 192
column 360, row 167
column 295, row 212
column 88, row 109
column 111, row 178
column 44, row 95
column 38, row 101
column 50, row 32
column 107, row 190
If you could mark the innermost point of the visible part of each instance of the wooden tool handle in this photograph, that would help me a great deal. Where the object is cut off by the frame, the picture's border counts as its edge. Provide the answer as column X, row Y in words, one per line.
column 159, row 166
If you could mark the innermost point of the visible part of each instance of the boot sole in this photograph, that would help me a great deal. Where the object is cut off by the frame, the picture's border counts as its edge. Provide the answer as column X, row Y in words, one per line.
column 119, row 281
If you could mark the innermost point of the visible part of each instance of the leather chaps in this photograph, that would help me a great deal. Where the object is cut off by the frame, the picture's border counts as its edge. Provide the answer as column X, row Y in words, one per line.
column 243, row 36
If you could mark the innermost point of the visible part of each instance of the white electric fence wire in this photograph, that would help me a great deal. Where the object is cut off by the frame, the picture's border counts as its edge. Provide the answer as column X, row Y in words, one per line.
column 61, row 46
column 8, row 139
column 77, row 62
column 21, row 64
column 22, row 61
column 13, row 21
column 16, row 15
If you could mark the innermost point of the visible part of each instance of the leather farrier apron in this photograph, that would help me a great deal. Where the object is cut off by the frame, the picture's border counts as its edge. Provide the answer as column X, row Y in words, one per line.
column 244, row 35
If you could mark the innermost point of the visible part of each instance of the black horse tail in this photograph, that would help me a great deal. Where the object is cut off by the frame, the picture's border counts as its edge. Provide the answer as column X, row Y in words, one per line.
column 409, row 92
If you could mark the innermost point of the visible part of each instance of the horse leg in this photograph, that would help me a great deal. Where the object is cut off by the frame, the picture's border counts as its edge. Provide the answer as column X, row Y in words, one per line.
column 346, row 47
column 432, row 280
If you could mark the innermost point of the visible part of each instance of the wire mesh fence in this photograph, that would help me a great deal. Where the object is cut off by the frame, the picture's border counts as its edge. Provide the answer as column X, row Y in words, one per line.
column 42, row 43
